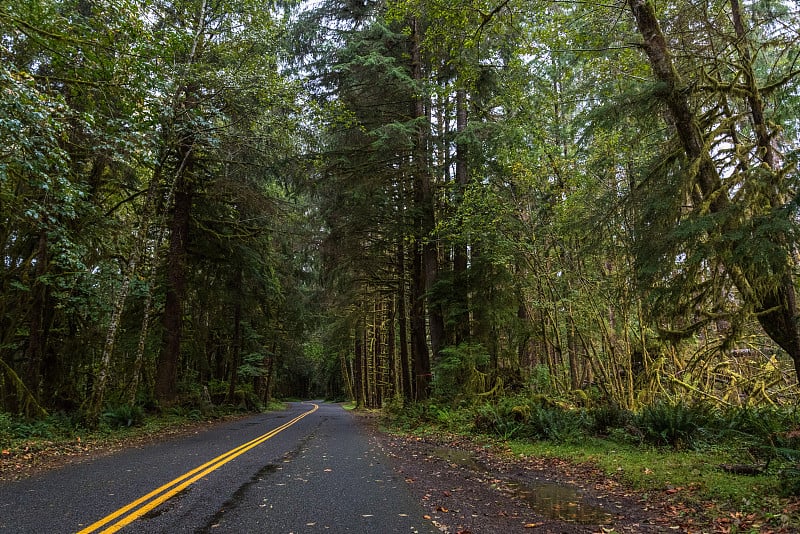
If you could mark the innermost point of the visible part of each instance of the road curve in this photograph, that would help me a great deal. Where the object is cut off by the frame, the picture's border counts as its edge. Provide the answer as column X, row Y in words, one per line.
column 295, row 471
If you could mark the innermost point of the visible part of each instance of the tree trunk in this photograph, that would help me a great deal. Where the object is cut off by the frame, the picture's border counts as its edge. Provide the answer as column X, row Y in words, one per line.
column 34, row 353
column 777, row 312
column 402, row 325
column 138, row 362
column 460, row 284
column 419, row 343
column 236, row 357
column 169, row 360
column 775, row 306
column 358, row 368
column 392, row 377
column 379, row 363
column 423, row 207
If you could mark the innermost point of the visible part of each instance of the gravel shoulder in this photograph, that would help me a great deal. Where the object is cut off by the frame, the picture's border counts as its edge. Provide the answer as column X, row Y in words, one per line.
column 469, row 487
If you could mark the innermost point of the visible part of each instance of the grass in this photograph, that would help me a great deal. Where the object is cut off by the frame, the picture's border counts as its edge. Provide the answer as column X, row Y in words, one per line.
column 658, row 469
column 24, row 442
column 672, row 451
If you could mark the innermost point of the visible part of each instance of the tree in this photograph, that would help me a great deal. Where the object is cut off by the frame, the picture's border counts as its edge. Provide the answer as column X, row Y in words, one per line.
column 761, row 273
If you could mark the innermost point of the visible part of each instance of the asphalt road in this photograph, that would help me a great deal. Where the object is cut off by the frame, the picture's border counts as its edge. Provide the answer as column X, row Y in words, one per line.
column 296, row 471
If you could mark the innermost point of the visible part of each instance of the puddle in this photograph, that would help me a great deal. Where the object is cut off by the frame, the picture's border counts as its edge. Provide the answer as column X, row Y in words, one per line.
column 565, row 503
column 458, row 458
column 552, row 501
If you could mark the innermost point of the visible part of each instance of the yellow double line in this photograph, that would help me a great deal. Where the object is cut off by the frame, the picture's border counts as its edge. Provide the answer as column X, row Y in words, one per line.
column 144, row 504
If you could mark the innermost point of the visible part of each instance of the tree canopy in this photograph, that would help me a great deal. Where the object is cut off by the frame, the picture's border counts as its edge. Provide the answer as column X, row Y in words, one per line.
column 225, row 201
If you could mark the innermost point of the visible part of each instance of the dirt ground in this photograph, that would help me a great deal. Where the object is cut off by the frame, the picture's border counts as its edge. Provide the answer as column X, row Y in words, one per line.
column 473, row 488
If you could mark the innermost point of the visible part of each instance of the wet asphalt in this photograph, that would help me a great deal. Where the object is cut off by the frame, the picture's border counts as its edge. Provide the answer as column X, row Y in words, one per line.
column 322, row 474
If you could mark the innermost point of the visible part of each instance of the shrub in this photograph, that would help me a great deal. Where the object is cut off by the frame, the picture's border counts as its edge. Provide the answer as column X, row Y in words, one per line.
column 6, row 426
column 533, row 418
column 607, row 417
column 186, row 412
column 458, row 371
column 789, row 482
column 123, row 415
column 499, row 419
column 412, row 416
column 556, row 424
column 674, row 424
column 761, row 423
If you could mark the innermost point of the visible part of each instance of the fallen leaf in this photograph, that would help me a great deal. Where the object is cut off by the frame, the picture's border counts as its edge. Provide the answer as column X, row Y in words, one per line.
column 426, row 517
column 533, row 525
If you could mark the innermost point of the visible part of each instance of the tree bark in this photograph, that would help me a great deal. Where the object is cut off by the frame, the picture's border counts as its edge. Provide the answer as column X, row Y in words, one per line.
column 460, row 283
column 34, row 353
column 236, row 356
column 423, row 207
column 775, row 305
column 402, row 324
column 358, row 367
column 169, row 360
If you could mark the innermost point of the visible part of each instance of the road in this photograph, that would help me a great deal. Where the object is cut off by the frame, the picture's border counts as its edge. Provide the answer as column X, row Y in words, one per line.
column 309, row 468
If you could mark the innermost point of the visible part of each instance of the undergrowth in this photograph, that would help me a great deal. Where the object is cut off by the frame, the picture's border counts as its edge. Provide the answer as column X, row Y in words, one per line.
column 737, row 455
column 116, row 421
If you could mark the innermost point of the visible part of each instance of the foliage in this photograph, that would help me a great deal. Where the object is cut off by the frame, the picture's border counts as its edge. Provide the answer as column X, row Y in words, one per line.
column 676, row 424
column 56, row 426
column 699, row 473
column 123, row 416
column 530, row 418
column 607, row 417
column 460, row 372
column 388, row 200
column 790, row 482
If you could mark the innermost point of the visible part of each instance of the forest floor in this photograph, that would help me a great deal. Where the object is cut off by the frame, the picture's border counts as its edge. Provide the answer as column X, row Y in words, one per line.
column 467, row 485
column 472, row 486
column 37, row 455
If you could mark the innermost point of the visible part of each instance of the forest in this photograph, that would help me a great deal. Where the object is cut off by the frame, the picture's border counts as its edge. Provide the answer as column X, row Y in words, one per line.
column 393, row 201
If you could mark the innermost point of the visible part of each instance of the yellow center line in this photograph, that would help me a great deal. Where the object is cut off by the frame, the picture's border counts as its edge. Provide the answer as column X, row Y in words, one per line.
column 172, row 488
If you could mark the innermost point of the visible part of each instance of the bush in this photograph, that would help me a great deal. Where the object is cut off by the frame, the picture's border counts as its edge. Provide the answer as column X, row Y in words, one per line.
column 674, row 424
column 761, row 423
column 533, row 418
column 413, row 415
column 789, row 482
column 52, row 427
column 764, row 433
column 605, row 418
column 187, row 412
column 556, row 424
column 458, row 371
column 500, row 419
column 122, row 416
column 6, row 426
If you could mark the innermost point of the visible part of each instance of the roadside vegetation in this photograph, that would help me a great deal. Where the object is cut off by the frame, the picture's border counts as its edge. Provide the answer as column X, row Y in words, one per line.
column 735, row 466
column 28, row 444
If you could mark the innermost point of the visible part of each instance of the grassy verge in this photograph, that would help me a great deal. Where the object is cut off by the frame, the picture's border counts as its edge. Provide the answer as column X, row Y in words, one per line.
column 30, row 445
column 669, row 454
